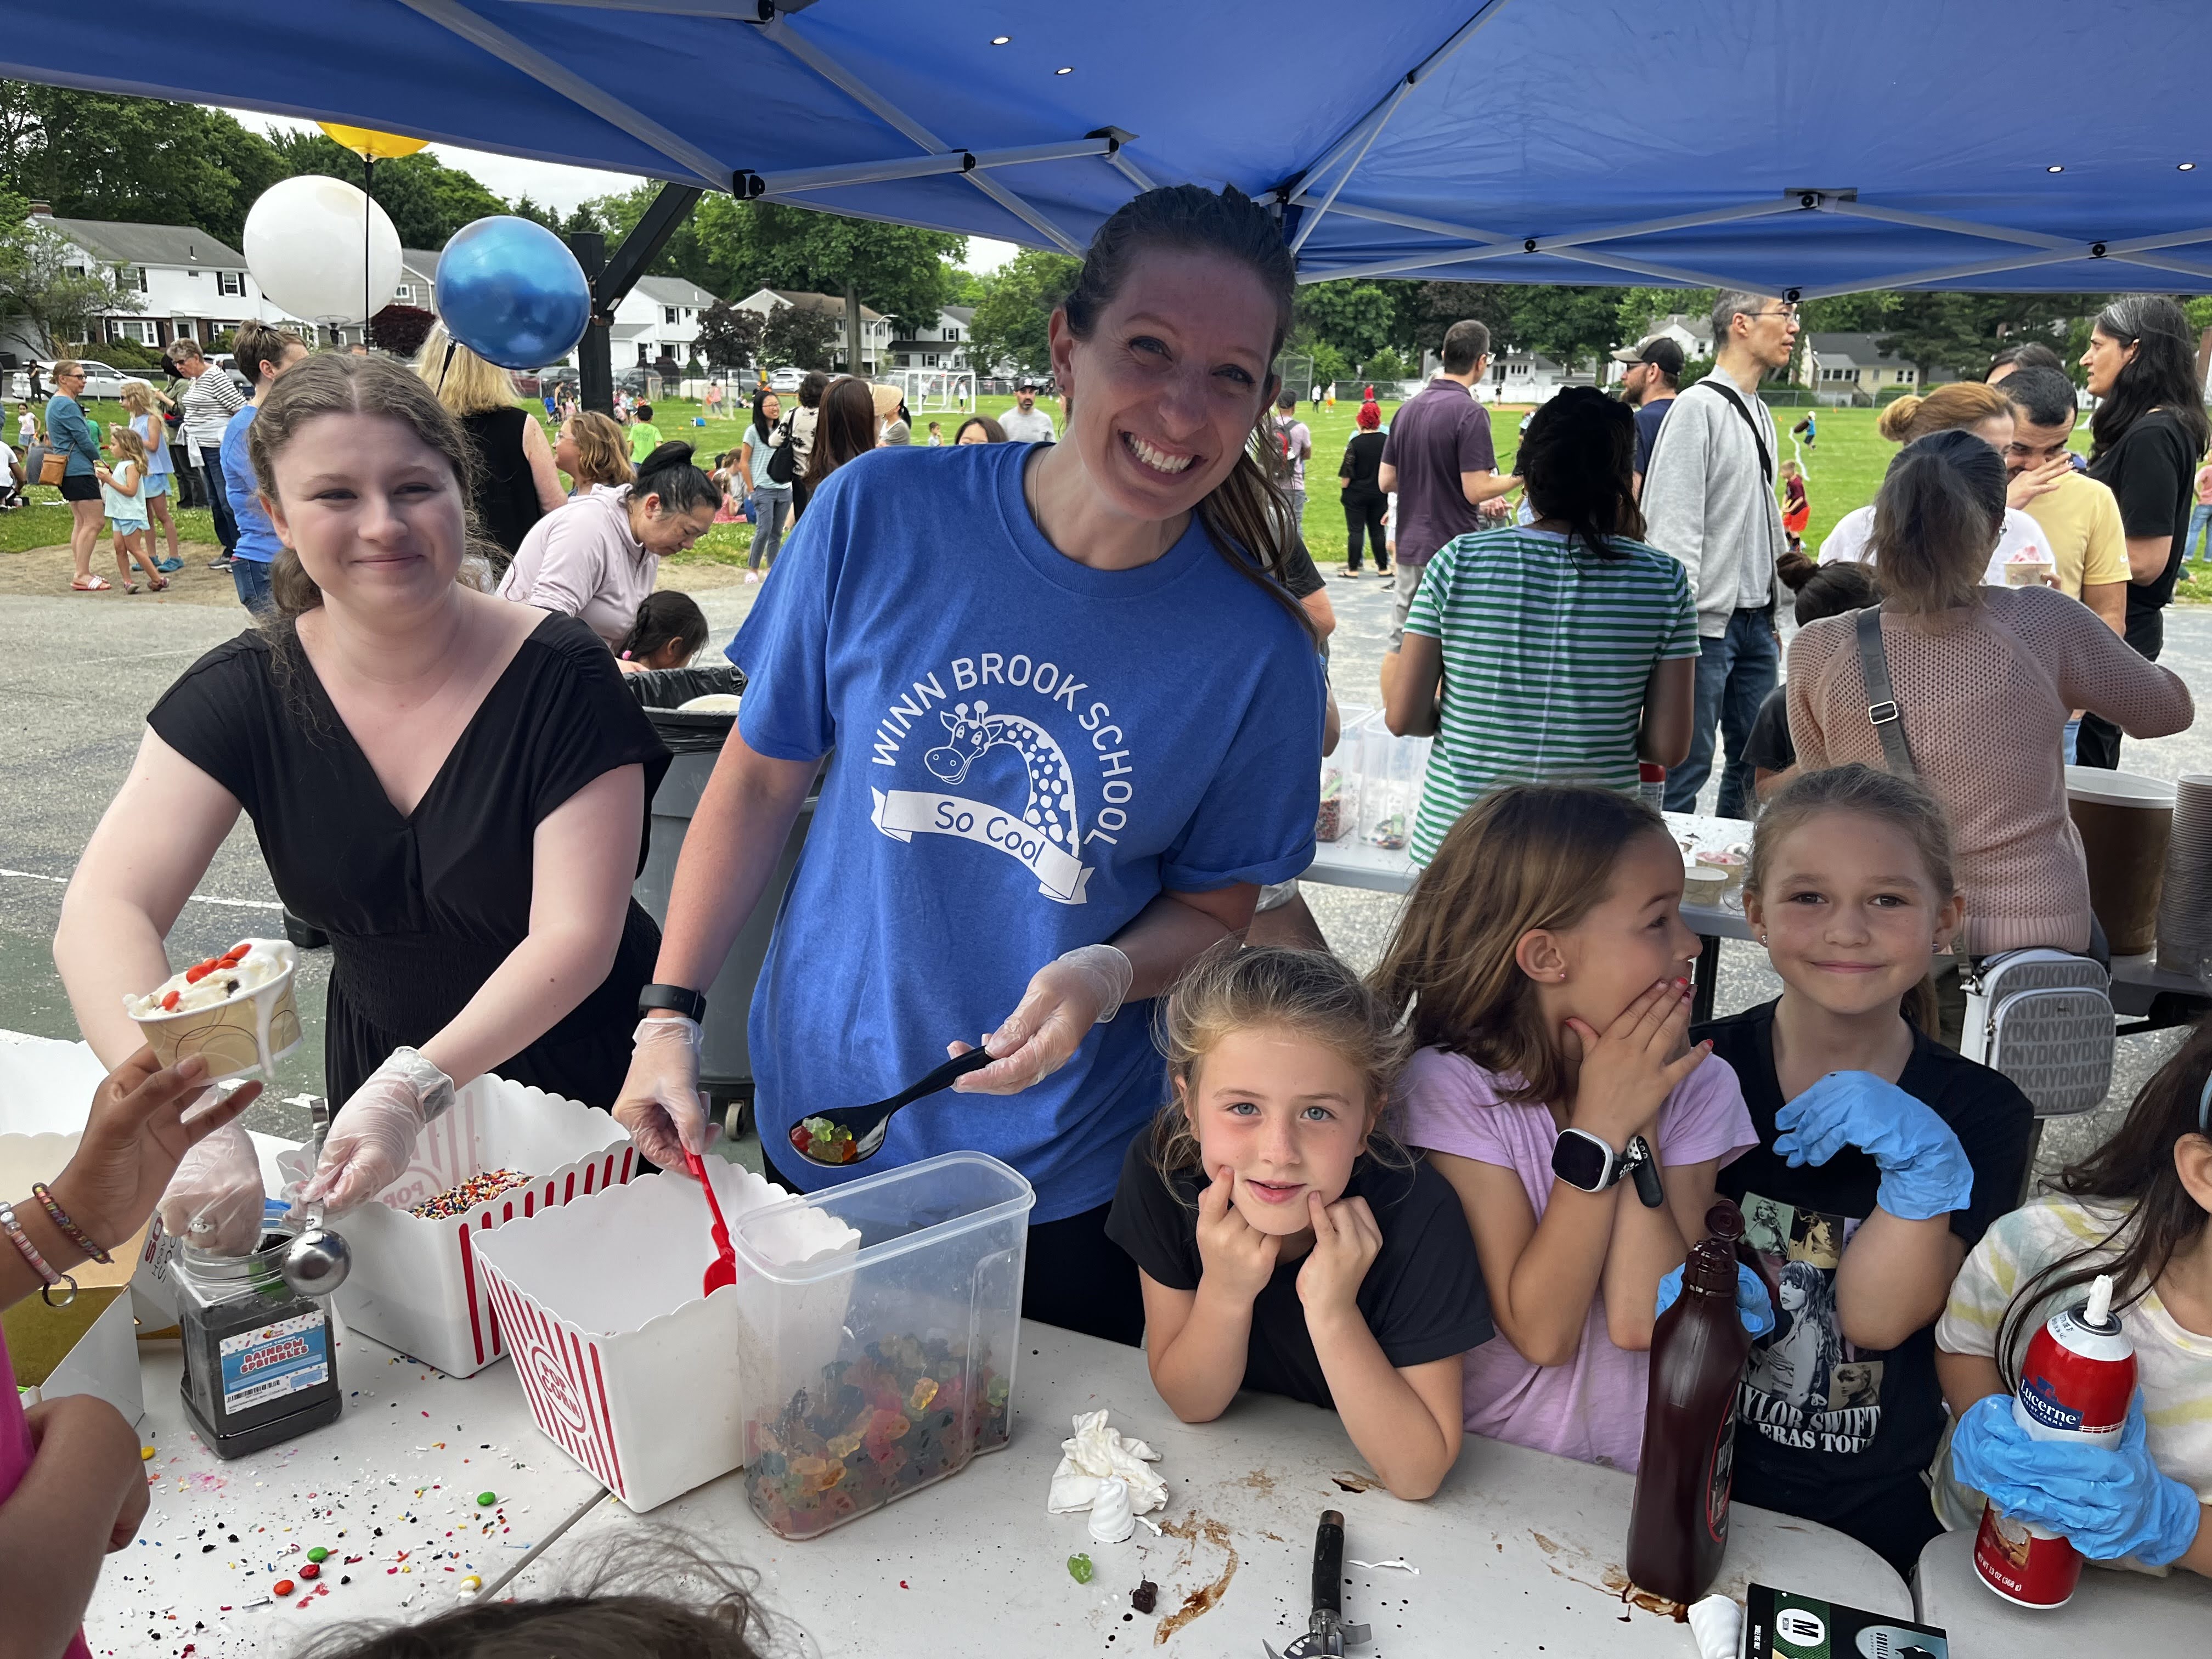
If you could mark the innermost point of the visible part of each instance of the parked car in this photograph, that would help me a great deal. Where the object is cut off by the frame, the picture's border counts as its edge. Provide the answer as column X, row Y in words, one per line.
column 100, row 380
column 785, row 379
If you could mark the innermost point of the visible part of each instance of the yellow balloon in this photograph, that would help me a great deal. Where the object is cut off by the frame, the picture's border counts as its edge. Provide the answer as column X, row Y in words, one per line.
column 368, row 143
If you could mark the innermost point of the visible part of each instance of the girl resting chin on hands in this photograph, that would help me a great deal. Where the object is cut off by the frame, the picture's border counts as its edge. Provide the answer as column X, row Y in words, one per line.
column 1285, row 1244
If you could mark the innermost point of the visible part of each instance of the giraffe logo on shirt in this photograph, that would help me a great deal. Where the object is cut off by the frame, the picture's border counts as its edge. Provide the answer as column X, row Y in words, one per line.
column 1044, row 833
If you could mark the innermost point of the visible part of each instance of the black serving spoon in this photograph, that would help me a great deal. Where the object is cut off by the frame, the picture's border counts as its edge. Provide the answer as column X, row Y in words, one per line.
column 865, row 1125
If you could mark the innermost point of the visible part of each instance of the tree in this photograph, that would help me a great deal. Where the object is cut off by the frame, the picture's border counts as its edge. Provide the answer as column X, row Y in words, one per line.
column 731, row 338
column 1425, row 310
column 99, row 156
column 427, row 200
column 798, row 339
column 524, row 208
column 1358, row 318
column 43, row 283
column 1010, row 325
column 401, row 330
column 1570, row 326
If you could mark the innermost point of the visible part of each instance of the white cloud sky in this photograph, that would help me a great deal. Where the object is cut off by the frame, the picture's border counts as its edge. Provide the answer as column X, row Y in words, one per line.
column 553, row 185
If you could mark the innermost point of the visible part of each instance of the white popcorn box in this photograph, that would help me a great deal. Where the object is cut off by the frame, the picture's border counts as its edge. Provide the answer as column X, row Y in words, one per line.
column 603, row 1307
column 417, row 1284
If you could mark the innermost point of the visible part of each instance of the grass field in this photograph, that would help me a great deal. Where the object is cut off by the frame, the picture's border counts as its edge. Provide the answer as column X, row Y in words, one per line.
column 1843, row 473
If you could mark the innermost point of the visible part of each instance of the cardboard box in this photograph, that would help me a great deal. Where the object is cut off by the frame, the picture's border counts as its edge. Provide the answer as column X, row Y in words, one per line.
column 91, row 1346
column 1784, row 1624
column 627, row 1366
column 414, row 1284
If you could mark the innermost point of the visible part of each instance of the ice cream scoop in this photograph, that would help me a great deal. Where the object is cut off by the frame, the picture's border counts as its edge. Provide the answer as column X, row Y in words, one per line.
column 318, row 1260
column 1112, row 1519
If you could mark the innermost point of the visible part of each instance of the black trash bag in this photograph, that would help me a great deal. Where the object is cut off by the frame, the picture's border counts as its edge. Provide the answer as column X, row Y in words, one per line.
column 661, row 690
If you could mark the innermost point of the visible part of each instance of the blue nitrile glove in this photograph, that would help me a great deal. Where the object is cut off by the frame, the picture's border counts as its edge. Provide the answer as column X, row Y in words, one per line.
column 2107, row 1501
column 1925, row 1172
column 1753, row 1305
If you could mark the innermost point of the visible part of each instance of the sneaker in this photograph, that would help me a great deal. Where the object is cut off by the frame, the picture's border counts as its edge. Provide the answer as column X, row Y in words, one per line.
column 222, row 563
column 169, row 564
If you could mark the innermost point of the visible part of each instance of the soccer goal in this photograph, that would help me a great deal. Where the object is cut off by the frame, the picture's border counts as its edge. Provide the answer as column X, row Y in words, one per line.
column 934, row 389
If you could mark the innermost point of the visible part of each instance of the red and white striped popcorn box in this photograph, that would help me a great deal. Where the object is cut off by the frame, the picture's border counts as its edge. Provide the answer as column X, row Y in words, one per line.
column 628, row 1367
column 417, row 1284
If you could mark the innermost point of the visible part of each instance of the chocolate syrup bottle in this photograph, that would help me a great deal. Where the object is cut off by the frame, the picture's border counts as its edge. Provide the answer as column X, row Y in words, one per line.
column 1678, row 1529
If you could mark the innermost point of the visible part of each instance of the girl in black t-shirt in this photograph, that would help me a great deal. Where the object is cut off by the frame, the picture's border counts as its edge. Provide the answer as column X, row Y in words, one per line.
column 1882, row 1156
column 1285, row 1245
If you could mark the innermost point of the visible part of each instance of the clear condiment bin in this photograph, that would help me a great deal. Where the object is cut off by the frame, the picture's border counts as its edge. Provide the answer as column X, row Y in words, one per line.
column 873, row 1373
column 1391, row 772
column 1339, row 818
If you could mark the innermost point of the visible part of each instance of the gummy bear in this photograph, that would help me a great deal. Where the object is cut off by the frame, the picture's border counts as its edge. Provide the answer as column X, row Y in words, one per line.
column 1080, row 1569
column 924, row 1392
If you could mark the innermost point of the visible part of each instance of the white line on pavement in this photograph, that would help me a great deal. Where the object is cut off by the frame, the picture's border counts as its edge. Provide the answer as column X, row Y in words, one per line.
column 196, row 898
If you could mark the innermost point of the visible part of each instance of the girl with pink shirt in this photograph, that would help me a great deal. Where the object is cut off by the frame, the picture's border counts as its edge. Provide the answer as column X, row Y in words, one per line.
column 1544, row 967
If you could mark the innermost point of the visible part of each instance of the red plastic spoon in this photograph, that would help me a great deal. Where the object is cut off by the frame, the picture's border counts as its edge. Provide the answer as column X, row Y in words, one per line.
column 723, row 1269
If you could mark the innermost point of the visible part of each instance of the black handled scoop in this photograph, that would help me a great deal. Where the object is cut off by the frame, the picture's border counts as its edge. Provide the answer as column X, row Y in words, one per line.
column 855, row 1135
column 1327, row 1634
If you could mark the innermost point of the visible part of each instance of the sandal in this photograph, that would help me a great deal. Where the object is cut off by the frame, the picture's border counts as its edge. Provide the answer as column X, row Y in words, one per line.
column 157, row 585
column 94, row 585
column 130, row 587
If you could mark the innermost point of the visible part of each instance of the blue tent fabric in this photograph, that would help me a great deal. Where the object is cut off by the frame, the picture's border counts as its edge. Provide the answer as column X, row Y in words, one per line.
column 1808, row 148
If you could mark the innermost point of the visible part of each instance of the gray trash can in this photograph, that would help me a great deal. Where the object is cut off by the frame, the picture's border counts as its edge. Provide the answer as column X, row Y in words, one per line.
column 726, row 1060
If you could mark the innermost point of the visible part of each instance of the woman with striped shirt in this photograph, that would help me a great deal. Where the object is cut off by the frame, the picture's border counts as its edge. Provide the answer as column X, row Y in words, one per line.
column 1563, row 651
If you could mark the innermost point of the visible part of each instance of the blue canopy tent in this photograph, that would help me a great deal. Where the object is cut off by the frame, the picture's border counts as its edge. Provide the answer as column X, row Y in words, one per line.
column 1800, row 149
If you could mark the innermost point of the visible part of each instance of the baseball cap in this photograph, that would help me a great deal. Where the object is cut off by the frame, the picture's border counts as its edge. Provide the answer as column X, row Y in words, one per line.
column 1659, row 351
column 1027, row 383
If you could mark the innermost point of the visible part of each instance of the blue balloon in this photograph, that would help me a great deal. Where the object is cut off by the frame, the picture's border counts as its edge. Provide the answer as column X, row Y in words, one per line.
column 511, row 292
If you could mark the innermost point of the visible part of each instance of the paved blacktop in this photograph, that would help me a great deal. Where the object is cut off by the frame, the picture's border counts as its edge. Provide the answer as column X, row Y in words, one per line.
column 76, row 680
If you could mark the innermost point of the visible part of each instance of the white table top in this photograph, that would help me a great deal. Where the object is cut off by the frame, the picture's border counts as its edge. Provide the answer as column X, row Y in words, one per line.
column 2169, row 1615
column 1518, row 1549
column 410, row 1455
column 1353, row 863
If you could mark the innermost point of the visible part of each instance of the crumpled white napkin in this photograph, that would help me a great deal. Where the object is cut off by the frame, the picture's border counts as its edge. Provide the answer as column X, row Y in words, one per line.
column 1717, row 1626
column 1099, row 1453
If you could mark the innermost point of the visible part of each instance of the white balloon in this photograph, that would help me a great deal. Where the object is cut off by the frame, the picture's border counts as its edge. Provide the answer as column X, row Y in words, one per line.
column 303, row 244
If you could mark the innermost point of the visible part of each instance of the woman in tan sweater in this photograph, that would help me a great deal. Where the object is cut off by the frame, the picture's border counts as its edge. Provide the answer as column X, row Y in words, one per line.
column 1986, row 678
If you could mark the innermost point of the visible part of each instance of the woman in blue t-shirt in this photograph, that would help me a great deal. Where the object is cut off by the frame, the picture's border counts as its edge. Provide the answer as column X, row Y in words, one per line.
column 1075, row 719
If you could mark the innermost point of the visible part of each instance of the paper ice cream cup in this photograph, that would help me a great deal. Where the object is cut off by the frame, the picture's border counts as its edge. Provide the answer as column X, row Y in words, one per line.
column 248, row 1031
column 2028, row 573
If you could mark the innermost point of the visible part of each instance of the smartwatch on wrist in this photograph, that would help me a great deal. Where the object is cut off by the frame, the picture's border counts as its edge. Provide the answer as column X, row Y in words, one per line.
column 677, row 999
column 1584, row 1161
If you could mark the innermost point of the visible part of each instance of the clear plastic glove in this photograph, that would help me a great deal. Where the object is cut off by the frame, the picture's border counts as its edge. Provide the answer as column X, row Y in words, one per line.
column 1925, row 1172
column 660, row 1104
column 213, row 1202
column 373, row 1138
column 2108, row 1502
column 1066, row 997
column 1752, row 1304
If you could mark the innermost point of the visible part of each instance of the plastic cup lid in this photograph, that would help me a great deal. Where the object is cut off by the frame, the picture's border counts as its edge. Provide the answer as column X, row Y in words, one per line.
column 2094, row 783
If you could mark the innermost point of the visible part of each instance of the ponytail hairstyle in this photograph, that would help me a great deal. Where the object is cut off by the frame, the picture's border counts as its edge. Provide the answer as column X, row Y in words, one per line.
column 2163, row 375
column 257, row 346
column 1247, row 517
column 337, row 383
column 666, row 617
column 1938, row 517
column 1578, row 458
column 668, row 473
column 1951, row 408
column 2133, row 1168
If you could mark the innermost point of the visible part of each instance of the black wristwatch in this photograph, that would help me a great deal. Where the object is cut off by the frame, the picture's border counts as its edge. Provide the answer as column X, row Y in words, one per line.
column 1584, row 1161
column 677, row 999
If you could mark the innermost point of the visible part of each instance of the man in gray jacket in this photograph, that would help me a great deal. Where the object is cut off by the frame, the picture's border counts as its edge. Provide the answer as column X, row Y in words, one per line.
column 1709, row 500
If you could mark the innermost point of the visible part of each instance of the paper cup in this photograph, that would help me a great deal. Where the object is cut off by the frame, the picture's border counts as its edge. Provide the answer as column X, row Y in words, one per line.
column 248, row 1032
column 2028, row 573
